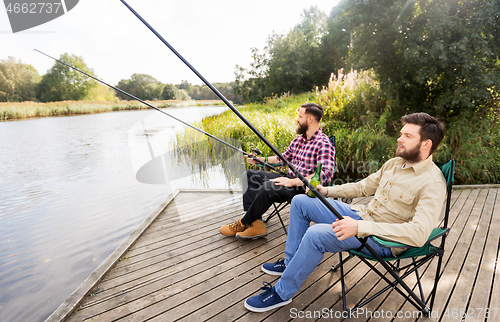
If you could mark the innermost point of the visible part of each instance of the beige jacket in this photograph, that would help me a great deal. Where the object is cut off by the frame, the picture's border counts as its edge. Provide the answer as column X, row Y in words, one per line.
column 406, row 205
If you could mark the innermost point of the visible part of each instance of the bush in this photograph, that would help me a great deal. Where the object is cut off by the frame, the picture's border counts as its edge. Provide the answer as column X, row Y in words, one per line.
column 366, row 126
column 356, row 113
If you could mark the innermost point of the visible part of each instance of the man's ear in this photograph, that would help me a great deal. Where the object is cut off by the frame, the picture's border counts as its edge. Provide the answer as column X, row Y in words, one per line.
column 427, row 144
column 310, row 118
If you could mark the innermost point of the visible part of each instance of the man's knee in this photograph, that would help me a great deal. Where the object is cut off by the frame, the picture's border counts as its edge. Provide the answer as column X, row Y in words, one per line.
column 299, row 206
column 301, row 201
column 250, row 173
column 315, row 234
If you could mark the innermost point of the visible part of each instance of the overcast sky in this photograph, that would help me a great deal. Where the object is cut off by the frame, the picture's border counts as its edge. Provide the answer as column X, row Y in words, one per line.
column 214, row 36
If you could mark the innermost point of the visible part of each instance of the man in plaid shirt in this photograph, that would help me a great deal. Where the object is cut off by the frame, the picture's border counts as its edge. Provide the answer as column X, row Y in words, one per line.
column 262, row 188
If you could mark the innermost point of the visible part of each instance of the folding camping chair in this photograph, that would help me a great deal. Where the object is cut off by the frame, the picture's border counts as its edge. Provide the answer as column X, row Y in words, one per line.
column 424, row 253
column 279, row 206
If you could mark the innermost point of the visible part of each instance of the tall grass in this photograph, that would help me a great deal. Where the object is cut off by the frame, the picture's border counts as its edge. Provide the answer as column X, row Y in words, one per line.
column 366, row 126
column 357, row 114
column 13, row 111
column 275, row 119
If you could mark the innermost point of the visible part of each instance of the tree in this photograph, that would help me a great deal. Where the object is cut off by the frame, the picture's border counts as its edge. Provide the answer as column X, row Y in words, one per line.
column 290, row 62
column 437, row 56
column 18, row 81
column 169, row 92
column 336, row 42
column 142, row 86
column 63, row 83
column 251, row 84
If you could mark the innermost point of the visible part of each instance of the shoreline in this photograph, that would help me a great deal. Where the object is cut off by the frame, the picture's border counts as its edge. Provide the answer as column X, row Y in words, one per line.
column 25, row 110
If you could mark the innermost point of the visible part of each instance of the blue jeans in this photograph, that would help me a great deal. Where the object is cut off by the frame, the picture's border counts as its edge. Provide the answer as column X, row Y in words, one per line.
column 306, row 245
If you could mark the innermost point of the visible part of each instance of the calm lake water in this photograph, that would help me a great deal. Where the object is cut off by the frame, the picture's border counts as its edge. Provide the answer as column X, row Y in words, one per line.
column 70, row 194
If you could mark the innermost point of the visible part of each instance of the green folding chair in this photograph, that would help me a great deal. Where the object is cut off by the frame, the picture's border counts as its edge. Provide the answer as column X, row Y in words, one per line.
column 418, row 255
column 279, row 206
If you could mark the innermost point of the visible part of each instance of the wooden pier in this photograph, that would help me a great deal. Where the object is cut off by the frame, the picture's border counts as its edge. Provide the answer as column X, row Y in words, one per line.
column 177, row 267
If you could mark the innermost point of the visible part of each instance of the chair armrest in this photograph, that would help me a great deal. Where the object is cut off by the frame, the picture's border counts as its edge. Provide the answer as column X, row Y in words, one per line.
column 436, row 233
column 273, row 164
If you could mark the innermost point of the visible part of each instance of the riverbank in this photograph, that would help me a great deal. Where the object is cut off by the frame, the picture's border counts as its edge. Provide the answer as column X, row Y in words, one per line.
column 15, row 111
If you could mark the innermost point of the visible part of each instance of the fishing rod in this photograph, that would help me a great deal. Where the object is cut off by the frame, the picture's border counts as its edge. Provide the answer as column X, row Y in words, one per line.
column 290, row 166
column 175, row 118
column 242, row 118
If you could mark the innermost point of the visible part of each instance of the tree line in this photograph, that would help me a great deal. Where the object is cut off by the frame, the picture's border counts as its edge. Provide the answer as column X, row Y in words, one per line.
column 437, row 56
column 371, row 61
column 440, row 56
column 21, row 82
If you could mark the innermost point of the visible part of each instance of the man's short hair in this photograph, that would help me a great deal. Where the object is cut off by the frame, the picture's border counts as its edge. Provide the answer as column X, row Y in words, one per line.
column 430, row 128
column 313, row 109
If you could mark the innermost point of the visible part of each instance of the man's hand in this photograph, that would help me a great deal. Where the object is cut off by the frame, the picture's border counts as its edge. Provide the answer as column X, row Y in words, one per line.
column 320, row 188
column 249, row 158
column 287, row 182
column 345, row 228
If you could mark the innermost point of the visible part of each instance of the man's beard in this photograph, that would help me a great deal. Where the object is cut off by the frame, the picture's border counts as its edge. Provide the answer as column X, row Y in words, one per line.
column 301, row 128
column 412, row 155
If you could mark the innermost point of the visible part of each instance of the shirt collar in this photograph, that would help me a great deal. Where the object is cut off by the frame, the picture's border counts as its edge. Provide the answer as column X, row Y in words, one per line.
column 314, row 136
column 419, row 167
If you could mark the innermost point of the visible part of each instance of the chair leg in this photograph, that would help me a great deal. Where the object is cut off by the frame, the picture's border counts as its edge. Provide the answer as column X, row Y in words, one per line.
column 412, row 298
column 342, row 281
column 275, row 212
column 432, row 296
column 336, row 267
column 282, row 224
column 418, row 281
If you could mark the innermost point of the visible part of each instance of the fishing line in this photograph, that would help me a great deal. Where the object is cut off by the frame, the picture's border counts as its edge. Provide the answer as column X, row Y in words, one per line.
column 290, row 166
column 159, row 110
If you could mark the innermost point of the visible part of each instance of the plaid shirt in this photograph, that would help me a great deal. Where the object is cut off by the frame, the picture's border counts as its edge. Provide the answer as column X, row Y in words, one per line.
column 305, row 154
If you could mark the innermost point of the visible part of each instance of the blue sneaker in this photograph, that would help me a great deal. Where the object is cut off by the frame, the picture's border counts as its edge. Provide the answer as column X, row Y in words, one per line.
column 265, row 301
column 274, row 268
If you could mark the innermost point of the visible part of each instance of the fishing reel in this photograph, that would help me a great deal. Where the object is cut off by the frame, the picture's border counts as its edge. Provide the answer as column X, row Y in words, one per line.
column 256, row 151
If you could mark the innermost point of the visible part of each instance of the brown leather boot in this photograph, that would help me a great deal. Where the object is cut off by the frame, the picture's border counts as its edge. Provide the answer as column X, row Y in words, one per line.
column 256, row 230
column 231, row 229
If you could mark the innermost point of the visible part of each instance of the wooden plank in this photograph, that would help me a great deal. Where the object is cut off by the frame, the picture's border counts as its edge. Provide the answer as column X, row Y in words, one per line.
column 246, row 267
column 459, row 212
column 163, row 296
column 230, row 307
column 161, row 229
column 172, row 215
column 480, row 291
column 359, row 281
column 466, row 278
column 494, row 301
column 180, row 234
column 135, row 261
column 186, row 272
column 163, row 270
column 74, row 300
column 162, row 280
